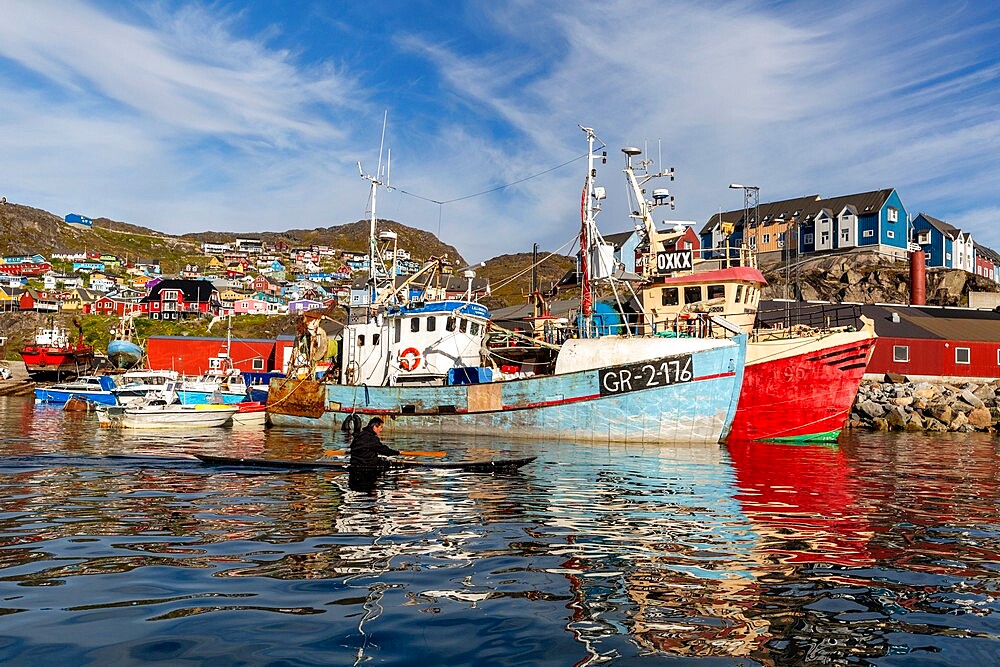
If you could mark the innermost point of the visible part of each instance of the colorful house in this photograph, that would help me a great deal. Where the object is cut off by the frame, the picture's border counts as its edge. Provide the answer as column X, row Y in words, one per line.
column 178, row 298
column 77, row 220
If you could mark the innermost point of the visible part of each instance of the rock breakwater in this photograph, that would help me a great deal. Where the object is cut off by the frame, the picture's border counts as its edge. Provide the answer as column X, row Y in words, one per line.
column 900, row 405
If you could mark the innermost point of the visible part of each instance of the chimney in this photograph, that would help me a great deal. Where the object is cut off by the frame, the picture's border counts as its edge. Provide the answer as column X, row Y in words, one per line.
column 918, row 278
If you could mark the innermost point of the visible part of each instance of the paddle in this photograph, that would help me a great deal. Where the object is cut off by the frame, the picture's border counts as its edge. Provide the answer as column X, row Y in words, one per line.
column 341, row 452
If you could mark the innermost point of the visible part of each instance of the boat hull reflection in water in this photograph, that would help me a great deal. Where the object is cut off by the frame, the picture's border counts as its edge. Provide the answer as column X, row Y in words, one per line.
column 119, row 546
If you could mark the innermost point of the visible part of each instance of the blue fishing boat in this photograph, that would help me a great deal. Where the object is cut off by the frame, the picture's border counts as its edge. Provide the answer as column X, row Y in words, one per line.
column 429, row 364
column 91, row 388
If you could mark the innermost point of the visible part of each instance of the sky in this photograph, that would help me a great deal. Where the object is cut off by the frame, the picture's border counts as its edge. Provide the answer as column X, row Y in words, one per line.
column 252, row 116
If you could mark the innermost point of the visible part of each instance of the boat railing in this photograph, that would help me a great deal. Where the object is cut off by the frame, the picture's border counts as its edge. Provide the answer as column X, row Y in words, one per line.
column 792, row 315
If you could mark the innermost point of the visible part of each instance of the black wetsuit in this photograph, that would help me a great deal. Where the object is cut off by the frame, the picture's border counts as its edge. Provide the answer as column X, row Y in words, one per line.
column 365, row 449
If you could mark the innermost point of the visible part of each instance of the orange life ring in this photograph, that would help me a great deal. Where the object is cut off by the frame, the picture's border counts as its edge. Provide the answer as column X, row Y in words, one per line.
column 410, row 359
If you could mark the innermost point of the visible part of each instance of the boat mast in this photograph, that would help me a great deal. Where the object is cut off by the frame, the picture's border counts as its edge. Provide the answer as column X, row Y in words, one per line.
column 644, row 210
column 375, row 181
column 587, row 235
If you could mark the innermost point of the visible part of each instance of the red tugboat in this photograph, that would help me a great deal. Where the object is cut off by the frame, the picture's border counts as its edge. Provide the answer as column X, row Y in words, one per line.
column 53, row 355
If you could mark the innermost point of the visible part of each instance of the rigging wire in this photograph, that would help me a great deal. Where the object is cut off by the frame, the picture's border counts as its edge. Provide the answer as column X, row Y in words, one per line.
column 495, row 189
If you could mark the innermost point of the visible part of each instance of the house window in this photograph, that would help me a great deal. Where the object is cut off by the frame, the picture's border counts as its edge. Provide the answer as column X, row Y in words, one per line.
column 766, row 238
column 924, row 237
column 868, row 233
column 962, row 355
column 892, row 214
column 890, row 234
column 901, row 353
column 668, row 296
column 947, row 256
column 257, row 364
column 692, row 294
column 807, row 238
column 824, row 238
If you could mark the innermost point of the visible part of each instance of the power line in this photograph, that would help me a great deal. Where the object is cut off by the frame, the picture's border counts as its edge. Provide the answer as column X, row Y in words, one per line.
column 499, row 187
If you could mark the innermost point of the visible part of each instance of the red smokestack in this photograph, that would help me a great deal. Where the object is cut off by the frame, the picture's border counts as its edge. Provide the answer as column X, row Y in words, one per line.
column 918, row 278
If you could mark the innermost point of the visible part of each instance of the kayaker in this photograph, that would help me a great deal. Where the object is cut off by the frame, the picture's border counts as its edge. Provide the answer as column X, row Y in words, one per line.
column 367, row 446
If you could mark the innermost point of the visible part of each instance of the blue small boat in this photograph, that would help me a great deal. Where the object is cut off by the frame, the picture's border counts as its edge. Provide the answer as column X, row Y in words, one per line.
column 124, row 353
column 92, row 388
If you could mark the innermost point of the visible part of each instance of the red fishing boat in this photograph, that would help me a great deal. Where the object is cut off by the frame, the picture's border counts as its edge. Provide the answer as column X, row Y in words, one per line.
column 801, row 379
column 54, row 355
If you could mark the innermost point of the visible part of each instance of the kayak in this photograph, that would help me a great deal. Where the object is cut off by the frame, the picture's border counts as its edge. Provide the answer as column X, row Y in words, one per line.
column 497, row 465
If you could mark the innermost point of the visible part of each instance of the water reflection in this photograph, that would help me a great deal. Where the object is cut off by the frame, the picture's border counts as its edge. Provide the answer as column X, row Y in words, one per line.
column 879, row 550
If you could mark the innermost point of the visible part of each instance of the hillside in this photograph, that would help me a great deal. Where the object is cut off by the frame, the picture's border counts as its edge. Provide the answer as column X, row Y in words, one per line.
column 510, row 276
column 27, row 230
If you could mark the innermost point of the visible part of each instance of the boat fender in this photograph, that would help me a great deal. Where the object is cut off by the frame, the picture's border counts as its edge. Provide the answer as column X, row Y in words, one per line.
column 352, row 424
column 410, row 359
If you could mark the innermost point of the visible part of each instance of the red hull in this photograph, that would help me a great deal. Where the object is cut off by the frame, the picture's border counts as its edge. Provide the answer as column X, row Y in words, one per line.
column 802, row 396
column 44, row 360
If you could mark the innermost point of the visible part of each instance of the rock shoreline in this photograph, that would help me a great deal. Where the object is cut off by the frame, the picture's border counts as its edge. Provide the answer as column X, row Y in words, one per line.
column 896, row 404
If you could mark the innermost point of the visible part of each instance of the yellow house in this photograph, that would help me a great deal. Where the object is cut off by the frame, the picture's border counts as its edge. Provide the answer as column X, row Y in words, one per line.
column 215, row 263
column 230, row 295
column 77, row 299
column 7, row 302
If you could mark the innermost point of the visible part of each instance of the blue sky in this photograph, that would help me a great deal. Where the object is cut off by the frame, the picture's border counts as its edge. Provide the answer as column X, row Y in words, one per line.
column 248, row 116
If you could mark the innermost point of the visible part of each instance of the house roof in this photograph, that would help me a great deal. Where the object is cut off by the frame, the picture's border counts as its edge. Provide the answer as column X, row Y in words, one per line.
column 919, row 322
column 940, row 225
column 806, row 208
column 193, row 290
column 618, row 238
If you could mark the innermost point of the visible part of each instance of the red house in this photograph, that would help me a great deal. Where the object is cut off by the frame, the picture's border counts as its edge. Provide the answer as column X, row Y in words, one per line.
column 109, row 306
column 180, row 298
column 32, row 299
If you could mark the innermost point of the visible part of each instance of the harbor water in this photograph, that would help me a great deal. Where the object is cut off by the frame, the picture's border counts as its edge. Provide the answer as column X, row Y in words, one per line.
column 118, row 547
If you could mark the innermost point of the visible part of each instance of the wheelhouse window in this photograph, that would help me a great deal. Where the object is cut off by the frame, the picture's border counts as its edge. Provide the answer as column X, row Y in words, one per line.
column 397, row 330
column 431, row 323
column 692, row 294
column 450, row 324
column 739, row 293
column 474, row 328
column 414, row 324
column 901, row 353
column 716, row 291
column 361, row 340
column 375, row 338
column 463, row 325
column 962, row 355
column 668, row 296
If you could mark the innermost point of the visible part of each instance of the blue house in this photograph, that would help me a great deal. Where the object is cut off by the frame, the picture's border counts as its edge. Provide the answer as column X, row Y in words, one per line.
column 873, row 220
column 79, row 220
column 945, row 246
column 625, row 246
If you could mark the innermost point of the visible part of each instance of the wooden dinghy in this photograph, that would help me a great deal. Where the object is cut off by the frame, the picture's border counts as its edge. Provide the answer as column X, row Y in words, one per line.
column 498, row 465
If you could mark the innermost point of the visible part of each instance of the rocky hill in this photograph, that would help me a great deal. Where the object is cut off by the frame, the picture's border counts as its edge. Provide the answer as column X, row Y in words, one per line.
column 510, row 276
column 867, row 277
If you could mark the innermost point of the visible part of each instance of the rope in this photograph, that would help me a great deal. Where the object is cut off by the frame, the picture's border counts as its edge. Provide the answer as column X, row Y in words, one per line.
column 507, row 281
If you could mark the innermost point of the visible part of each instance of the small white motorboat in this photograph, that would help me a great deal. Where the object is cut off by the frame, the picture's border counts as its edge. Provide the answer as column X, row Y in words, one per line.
column 161, row 410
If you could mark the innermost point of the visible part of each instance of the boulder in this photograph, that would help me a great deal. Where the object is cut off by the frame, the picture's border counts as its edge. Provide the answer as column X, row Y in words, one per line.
column 931, row 424
column 896, row 417
column 941, row 412
column 959, row 422
column 926, row 391
column 895, row 378
column 971, row 398
column 914, row 423
column 903, row 401
column 880, row 424
column 871, row 409
column 980, row 419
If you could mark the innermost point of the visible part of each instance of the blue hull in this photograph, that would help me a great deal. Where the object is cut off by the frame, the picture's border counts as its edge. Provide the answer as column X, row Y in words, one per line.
column 59, row 397
column 640, row 402
column 187, row 397
column 124, row 354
